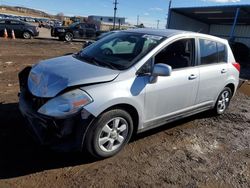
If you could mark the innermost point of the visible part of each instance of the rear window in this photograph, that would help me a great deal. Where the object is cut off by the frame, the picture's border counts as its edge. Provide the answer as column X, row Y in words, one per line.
column 212, row 52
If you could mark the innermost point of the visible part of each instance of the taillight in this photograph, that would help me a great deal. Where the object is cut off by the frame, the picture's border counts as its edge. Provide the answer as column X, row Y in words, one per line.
column 237, row 66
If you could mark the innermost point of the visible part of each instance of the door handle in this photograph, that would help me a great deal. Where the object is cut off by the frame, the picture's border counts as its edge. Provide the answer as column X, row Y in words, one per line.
column 223, row 71
column 192, row 77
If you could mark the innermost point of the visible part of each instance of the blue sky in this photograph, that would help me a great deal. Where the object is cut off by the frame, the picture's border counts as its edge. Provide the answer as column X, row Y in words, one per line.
column 149, row 10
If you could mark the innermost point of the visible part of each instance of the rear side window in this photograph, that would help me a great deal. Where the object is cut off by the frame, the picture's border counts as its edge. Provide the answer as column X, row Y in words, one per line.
column 212, row 52
column 208, row 52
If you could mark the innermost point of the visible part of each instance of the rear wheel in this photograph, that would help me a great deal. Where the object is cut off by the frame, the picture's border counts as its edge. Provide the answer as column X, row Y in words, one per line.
column 109, row 134
column 223, row 101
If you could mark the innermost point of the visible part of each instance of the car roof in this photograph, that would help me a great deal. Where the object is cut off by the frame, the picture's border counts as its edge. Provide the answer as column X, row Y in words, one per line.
column 172, row 32
column 158, row 32
column 11, row 19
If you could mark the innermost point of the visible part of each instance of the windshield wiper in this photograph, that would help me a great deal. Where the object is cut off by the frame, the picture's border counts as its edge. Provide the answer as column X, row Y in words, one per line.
column 95, row 61
column 102, row 63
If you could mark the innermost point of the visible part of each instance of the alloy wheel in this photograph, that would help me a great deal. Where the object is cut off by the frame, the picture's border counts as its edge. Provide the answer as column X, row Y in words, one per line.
column 113, row 134
column 223, row 101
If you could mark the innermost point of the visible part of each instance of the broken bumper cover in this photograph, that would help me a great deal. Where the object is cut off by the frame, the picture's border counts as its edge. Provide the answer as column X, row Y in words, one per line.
column 59, row 134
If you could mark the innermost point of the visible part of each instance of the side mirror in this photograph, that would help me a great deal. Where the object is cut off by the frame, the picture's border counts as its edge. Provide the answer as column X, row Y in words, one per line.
column 160, row 70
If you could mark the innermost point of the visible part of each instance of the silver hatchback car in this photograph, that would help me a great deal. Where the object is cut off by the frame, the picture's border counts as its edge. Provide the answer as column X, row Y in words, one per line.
column 127, row 82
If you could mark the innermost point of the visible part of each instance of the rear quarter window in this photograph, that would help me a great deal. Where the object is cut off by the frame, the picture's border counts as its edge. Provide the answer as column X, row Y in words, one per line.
column 222, row 53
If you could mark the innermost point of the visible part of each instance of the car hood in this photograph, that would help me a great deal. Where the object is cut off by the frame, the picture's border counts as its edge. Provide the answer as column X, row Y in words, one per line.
column 50, row 77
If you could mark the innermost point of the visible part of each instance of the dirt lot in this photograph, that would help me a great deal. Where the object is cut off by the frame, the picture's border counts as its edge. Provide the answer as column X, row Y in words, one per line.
column 200, row 151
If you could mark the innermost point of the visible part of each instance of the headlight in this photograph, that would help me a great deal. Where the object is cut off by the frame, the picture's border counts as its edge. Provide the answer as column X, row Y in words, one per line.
column 66, row 104
column 61, row 30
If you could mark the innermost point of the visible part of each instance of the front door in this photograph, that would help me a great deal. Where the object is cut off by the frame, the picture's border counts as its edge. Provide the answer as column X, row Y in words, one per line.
column 173, row 94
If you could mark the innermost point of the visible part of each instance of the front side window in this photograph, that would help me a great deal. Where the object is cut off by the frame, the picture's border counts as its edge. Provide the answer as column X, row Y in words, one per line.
column 179, row 54
column 120, row 50
column 13, row 22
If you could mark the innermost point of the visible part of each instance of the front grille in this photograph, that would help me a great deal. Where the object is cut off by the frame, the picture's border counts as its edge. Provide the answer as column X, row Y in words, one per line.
column 38, row 102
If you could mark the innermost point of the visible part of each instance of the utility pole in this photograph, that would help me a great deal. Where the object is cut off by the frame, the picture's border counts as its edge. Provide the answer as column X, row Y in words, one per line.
column 115, row 9
column 138, row 18
column 158, row 21
column 169, row 15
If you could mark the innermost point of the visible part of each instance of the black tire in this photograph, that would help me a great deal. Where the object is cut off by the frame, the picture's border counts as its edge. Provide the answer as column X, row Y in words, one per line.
column 68, row 37
column 96, row 133
column 26, row 35
column 222, row 101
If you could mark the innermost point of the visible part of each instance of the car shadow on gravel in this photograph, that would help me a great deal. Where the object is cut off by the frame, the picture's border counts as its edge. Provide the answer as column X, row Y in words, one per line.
column 20, row 155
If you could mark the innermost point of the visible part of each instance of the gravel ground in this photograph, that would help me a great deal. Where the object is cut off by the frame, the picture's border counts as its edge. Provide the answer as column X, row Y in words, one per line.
column 200, row 151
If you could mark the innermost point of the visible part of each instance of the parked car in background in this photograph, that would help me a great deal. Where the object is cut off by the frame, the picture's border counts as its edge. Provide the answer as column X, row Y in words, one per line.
column 100, row 35
column 74, row 31
column 96, row 99
column 21, row 29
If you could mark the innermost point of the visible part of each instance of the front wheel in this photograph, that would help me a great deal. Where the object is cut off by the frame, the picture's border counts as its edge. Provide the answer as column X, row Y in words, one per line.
column 26, row 35
column 68, row 37
column 223, row 101
column 109, row 133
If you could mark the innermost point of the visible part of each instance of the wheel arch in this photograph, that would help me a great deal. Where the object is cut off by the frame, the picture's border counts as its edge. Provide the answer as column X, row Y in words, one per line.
column 29, row 31
column 232, row 87
column 129, row 109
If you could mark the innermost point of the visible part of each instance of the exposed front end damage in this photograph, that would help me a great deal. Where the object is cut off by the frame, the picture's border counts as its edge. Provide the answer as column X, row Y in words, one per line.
column 64, row 134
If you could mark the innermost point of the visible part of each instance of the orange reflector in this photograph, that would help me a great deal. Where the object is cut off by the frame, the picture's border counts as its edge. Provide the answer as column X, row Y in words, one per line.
column 80, row 102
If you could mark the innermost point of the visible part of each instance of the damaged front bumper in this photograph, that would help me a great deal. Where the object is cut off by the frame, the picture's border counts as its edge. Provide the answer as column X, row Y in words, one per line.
column 59, row 134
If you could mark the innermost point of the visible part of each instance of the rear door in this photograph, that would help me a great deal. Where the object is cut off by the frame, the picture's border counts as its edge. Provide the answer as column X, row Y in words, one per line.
column 90, row 30
column 213, row 70
column 77, row 31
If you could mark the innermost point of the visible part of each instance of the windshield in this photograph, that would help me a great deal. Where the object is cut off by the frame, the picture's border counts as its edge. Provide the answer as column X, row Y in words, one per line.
column 73, row 24
column 120, row 50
